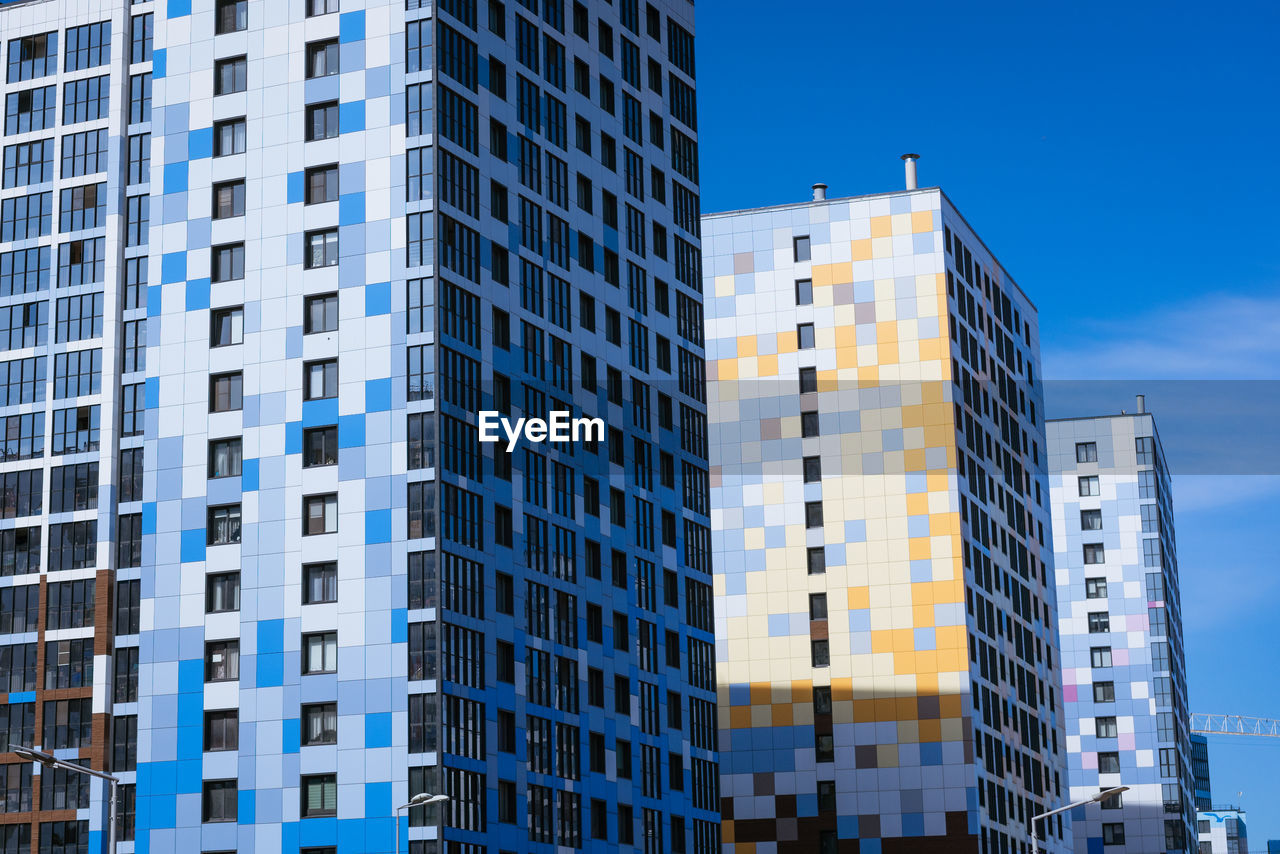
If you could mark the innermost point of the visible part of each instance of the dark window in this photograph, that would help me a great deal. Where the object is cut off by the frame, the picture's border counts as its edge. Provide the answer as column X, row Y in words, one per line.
column 222, row 661
column 232, row 16
column 319, row 583
column 226, row 457
column 226, row 392
column 319, row 447
column 322, row 58
column 222, row 730
column 220, row 798
column 320, row 723
column 230, row 75
column 319, row 795
column 321, row 313
column 322, row 184
column 222, row 592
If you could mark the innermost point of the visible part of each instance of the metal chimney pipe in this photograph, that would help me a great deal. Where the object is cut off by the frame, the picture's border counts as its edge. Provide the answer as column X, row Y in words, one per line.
column 1142, row 404
column 910, row 161
column 819, row 192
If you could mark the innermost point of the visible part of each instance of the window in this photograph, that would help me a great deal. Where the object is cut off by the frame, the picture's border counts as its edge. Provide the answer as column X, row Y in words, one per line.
column 82, row 207
column 320, row 379
column 1091, row 520
column 220, row 800
column 141, row 37
column 821, row 653
column 230, row 75
column 319, row 583
column 319, row 795
column 32, row 56
column 222, row 592
column 322, row 58
column 817, row 606
column 320, row 723
column 1112, row 832
column 321, row 249
column 88, row 46
column 1089, row 485
column 805, row 336
column 232, row 16
column 320, row 314
column 322, row 121
column 812, row 469
column 228, row 262
column 319, row 514
column 32, row 162
column 321, row 7
column 808, row 424
column 1086, row 452
column 322, row 184
column 1095, row 588
column 1099, row 621
column 228, row 137
column 224, row 525
column 226, row 326
column 1094, row 553
column 132, row 409
column 804, row 291
column 813, row 514
column 320, row 653
column 222, row 730
column 222, row 661
column 226, row 392
column 319, row 447
column 817, row 560
column 1105, row 727
column 1104, row 692
column 1100, row 656
column 225, row 457
column 139, row 158
column 808, row 380
column 1146, row 450
column 228, row 199
column 801, row 248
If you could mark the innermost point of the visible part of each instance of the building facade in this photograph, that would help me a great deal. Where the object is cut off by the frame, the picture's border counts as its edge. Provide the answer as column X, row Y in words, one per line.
column 885, row 619
column 1223, row 830
column 1124, row 673
column 299, row 246
column 1200, row 772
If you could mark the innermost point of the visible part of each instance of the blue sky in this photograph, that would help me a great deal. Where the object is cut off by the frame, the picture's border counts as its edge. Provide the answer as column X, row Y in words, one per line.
column 1118, row 158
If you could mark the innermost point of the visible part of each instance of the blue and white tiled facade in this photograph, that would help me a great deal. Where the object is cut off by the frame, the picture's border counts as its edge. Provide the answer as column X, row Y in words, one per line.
column 335, row 609
column 1124, row 673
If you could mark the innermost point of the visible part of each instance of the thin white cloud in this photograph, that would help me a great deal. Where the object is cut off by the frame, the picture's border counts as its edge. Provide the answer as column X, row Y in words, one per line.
column 1211, row 337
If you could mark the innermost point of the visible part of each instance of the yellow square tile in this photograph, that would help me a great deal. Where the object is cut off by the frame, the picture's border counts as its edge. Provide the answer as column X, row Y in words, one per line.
column 746, row 345
column 881, row 226
column 921, row 221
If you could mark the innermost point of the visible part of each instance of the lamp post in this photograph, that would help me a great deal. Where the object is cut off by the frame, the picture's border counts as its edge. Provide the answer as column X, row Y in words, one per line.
column 1104, row 795
column 48, row 760
column 419, row 800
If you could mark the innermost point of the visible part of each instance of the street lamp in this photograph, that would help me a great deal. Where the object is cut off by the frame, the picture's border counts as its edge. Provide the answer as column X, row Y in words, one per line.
column 48, row 760
column 1104, row 795
column 419, row 800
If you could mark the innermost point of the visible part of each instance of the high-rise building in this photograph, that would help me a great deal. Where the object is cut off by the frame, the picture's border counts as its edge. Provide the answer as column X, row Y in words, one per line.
column 1124, row 673
column 885, row 619
column 1223, row 830
column 275, row 257
column 1200, row 771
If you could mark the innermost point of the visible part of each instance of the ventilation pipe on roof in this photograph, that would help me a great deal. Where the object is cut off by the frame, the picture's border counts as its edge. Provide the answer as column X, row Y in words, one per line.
column 819, row 192
column 909, row 160
column 1142, row 404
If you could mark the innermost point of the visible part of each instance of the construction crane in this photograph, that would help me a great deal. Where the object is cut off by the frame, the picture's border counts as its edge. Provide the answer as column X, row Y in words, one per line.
column 1234, row 725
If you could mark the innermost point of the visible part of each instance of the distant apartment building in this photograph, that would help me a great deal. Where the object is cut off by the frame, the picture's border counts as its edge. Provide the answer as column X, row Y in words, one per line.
column 1224, row 830
column 885, row 613
column 1120, row 618
column 1200, row 771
